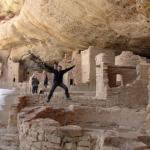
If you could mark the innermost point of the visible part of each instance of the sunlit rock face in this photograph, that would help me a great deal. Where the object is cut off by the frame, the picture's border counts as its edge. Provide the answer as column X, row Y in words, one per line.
column 51, row 28
column 9, row 8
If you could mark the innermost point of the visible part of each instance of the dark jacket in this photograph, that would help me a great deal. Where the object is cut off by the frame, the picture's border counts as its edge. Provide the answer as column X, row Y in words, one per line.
column 35, row 81
column 58, row 75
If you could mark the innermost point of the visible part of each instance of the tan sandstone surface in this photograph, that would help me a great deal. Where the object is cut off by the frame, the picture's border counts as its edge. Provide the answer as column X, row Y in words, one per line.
column 51, row 28
column 109, row 42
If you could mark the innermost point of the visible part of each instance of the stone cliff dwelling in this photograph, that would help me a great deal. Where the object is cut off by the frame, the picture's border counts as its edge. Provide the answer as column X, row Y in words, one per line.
column 109, row 43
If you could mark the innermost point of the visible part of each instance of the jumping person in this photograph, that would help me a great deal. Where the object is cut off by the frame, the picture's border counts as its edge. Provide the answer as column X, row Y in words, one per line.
column 58, row 80
column 58, row 75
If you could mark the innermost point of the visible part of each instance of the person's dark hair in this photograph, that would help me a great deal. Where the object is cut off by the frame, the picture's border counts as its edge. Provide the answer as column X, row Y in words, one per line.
column 55, row 63
column 60, row 66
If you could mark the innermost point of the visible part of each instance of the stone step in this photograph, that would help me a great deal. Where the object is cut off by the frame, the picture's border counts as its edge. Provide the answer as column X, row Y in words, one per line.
column 6, row 140
column 76, row 93
column 64, row 103
column 9, row 139
column 3, row 147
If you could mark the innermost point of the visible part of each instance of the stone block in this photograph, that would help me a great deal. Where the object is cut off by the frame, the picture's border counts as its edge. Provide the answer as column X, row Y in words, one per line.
column 83, row 148
column 72, row 131
column 41, row 137
column 53, row 139
column 84, row 138
column 33, row 139
column 69, row 139
column 44, row 147
column 37, row 145
column 34, row 134
column 34, row 148
column 51, row 130
column 70, row 146
column 84, row 143
column 51, row 146
column 110, row 148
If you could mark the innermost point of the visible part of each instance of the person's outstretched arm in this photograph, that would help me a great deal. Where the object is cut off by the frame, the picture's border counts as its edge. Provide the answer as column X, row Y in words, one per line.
column 68, row 69
column 48, row 68
column 41, row 64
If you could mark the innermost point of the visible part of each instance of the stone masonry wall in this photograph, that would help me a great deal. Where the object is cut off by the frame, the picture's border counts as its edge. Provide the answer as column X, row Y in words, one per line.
column 37, row 131
column 76, row 73
column 47, row 134
column 13, row 71
column 102, row 62
column 134, row 93
column 15, row 108
column 128, row 74
column 88, row 65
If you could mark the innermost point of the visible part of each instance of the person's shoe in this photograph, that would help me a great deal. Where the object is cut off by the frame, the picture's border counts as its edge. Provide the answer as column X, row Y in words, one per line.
column 48, row 100
column 68, row 98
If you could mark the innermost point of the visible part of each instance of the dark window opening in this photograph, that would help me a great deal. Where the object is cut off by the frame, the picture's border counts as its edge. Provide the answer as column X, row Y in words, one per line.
column 71, row 82
column 14, row 79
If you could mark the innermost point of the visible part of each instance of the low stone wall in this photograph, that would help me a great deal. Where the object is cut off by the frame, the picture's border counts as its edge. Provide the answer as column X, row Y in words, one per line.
column 134, row 94
column 87, row 116
column 47, row 134
column 128, row 74
column 80, row 128
column 15, row 108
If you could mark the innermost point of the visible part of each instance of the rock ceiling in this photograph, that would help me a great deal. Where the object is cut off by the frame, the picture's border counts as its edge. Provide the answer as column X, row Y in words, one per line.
column 51, row 28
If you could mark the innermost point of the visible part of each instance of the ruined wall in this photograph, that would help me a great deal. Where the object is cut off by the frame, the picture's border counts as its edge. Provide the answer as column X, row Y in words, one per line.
column 133, row 94
column 85, row 57
column 22, row 73
column 15, row 108
column 77, row 72
column 127, row 58
column 128, row 74
column 13, row 71
column 47, row 134
column 38, row 128
column 17, row 72
column 102, row 62
column 88, row 65
column 4, row 69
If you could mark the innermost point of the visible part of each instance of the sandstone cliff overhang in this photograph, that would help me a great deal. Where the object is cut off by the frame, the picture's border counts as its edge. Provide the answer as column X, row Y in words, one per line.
column 53, row 27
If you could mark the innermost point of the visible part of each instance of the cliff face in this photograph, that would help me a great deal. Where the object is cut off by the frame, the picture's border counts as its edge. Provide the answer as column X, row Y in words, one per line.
column 10, row 7
column 51, row 28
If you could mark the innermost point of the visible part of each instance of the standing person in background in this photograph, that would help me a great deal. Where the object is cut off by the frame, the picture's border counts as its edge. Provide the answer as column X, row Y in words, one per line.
column 35, row 84
column 45, row 79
